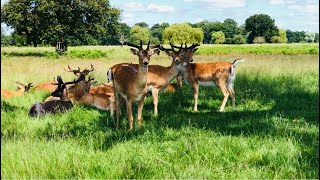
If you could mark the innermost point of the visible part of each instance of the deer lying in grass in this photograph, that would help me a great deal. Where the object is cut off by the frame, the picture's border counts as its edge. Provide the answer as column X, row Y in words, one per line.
column 102, row 97
column 221, row 74
column 131, row 83
column 22, row 88
column 54, row 106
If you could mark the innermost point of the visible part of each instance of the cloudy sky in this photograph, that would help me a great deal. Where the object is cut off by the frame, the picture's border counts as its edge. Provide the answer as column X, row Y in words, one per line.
column 296, row 15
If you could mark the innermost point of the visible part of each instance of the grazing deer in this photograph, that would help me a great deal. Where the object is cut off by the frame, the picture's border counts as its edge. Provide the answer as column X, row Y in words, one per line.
column 221, row 74
column 22, row 88
column 55, row 106
column 131, row 83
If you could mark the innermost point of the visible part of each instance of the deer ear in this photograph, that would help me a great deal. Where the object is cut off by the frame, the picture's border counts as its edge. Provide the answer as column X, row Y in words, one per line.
column 134, row 51
column 155, row 51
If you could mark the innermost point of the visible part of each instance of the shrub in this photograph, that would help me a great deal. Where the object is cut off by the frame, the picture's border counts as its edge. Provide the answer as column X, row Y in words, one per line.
column 259, row 40
column 217, row 37
column 238, row 39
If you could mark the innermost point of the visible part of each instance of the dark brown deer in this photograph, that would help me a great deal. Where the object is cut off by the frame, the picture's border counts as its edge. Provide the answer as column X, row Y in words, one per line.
column 55, row 106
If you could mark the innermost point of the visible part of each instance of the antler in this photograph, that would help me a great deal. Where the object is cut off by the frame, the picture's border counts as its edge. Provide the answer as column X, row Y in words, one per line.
column 136, row 46
column 148, row 45
column 86, row 72
column 73, row 70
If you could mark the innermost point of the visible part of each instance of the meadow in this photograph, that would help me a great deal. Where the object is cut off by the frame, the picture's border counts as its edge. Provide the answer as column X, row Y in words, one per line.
column 272, row 133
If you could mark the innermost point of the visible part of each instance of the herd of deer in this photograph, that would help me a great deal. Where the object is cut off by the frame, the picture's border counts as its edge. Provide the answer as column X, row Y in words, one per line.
column 131, row 83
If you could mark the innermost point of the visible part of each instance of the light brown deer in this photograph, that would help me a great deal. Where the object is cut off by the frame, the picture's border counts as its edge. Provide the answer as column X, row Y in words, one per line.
column 221, row 74
column 131, row 83
column 22, row 88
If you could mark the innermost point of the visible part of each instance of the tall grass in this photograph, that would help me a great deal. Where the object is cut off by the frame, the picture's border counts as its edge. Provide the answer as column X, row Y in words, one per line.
column 273, row 133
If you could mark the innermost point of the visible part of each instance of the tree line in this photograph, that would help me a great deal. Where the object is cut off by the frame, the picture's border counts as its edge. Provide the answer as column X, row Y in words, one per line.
column 77, row 22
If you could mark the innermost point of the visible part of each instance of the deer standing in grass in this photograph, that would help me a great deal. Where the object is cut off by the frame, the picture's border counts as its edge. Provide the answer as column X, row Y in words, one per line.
column 159, row 77
column 221, row 74
column 22, row 88
column 131, row 83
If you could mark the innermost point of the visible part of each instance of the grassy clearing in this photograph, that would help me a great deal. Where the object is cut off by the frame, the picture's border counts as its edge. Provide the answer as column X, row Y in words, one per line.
column 273, row 133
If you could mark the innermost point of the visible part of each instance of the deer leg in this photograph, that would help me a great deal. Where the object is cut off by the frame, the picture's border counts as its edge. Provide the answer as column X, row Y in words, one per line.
column 140, row 107
column 225, row 94
column 230, row 89
column 155, row 98
column 195, row 95
column 117, row 104
column 129, row 111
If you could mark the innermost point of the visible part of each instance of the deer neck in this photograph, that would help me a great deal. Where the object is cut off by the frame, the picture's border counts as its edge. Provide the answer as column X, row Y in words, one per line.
column 142, row 75
column 173, row 71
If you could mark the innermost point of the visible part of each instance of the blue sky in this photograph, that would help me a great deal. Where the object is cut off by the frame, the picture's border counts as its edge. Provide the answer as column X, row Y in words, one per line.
column 296, row 15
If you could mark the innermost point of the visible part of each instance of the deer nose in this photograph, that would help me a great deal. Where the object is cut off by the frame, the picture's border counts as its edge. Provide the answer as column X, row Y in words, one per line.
column 176, row 59
column 145, row 62
column 191, row 60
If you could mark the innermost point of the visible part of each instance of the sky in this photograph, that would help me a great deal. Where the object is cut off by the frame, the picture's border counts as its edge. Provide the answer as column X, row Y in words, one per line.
column 296, row 15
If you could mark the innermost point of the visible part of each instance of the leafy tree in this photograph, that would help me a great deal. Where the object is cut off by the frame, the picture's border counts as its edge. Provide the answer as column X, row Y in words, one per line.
column 295, row 36
column 157, row 31
column 142, row 24
column 230, row 28
column 238, row 39
column 218, row 37
column 208, row 28
column 310, row 36
column 260, row 25
column 138, row 33
column 6, row 40
column 49, row 20
column 182, row 33
column 316, row 40
column 282, row 38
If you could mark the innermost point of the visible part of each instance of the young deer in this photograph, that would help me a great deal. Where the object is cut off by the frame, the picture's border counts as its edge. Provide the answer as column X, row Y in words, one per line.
column 131, row 83
column 22, row 88
column 54, row 106
column 221, row 74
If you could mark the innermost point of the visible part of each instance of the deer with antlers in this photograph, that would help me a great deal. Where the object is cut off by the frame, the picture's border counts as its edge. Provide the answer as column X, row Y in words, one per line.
column 131, row 83
column 221, row 74
column 57, row 105
column 102, row 97
column 22, row 88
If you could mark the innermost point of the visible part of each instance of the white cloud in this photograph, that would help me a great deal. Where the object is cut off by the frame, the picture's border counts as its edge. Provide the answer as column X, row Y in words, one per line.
column 128, row 18
column 160, row 8
column 135, row 6
column 309, row 9
column 220, row 3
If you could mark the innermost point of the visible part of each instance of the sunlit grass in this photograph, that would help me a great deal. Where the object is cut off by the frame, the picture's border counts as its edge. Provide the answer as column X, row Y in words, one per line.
column 272, row 134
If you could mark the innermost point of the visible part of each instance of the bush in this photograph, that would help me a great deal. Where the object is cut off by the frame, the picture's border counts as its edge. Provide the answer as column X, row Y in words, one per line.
column 217, row 37
column 239, row 39
column 259, row 40
column 275, row 39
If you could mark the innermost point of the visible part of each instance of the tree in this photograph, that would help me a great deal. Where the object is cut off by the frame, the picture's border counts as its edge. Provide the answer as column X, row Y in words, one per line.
column 157, row 31
column 138, row 33
column 282, row 38
column 209, row 27
column 238, row 39
column 295, row 36
column 49, row 20
column 259, row 40
column 142, row 24
column 230, row 28
column 310, row 36
column 260, row 25
column 218, row 37
column 182, row 33
column 316, row 39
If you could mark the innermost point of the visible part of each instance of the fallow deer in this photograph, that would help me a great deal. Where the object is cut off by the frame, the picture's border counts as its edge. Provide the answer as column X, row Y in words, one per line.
column 54, row 106
column 22, row 88
column 221, row 74
column 131, row 83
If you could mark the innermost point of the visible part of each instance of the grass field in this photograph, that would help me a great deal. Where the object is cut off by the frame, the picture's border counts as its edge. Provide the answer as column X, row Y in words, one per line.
column 273, row 133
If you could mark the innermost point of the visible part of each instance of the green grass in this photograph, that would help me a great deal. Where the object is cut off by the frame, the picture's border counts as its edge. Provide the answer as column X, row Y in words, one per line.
column 273, row 133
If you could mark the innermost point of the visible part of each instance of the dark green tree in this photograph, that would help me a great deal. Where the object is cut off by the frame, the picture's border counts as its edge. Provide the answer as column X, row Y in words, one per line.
column 142, row 24
column 260, row 25
column 77, row 22
column 157, row 31
column 295, row 36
